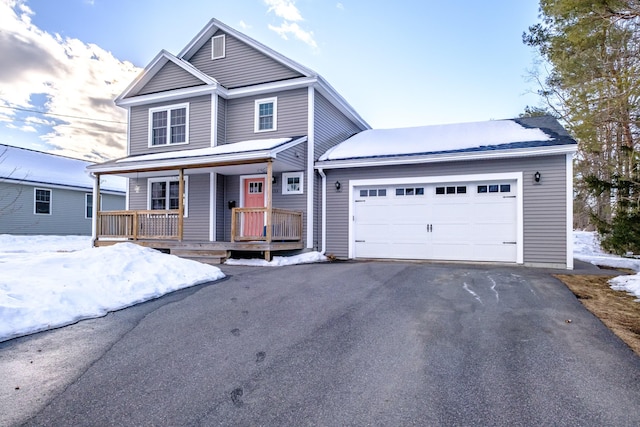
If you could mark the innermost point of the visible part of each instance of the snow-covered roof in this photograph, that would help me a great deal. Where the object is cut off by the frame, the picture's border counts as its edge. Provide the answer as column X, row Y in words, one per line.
column 35, row 167
column 450, row 138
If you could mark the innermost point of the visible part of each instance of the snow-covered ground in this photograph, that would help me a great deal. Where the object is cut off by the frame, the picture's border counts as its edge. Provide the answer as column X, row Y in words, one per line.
column 51, row 281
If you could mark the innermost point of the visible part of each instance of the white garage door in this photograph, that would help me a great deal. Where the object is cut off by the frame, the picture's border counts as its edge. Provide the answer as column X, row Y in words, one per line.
column 468, row 221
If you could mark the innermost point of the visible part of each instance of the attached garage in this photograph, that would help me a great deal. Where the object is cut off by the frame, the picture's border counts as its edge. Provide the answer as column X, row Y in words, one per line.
column 508, row 202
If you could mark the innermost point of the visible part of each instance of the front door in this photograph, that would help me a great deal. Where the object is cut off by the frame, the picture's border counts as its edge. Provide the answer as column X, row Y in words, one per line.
column 253, row 222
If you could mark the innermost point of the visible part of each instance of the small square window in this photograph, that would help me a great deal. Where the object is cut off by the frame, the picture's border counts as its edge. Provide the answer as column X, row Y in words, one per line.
column 439, row 190
column 382, row 192
column 505, row 188
column 409, row 191
column 292, row 183
column 451, row 190
column 399, row 191
column 482, row 188
column 493, row 189
column 420, row 191
column 364, row 193
column 373, row 193
column 461, row 190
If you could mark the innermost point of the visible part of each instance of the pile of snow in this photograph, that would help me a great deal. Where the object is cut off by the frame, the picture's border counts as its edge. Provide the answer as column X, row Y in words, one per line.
column 586, row 247
column 432, row 139
column 279, row 261
column 45, row 288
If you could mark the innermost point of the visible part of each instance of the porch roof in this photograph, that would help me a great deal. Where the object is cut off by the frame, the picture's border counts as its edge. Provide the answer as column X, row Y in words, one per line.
column 238, row 153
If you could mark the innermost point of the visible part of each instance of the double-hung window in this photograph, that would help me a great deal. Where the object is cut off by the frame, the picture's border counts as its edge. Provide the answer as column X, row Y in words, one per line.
column 164, row 194
column 42, row 201
column 292, row 182
column 169, row 125
column 88, row 205
column 266, row 114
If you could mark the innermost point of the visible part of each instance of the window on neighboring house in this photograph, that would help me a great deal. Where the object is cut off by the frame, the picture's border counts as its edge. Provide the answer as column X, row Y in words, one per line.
column 169, row 125
column 164, row 194
column 292, row 183
column 266, row 114
column 88, row 205
column 218, row 47
column 42, row 201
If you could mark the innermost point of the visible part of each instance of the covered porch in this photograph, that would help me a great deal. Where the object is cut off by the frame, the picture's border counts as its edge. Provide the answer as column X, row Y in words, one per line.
column 167, row 226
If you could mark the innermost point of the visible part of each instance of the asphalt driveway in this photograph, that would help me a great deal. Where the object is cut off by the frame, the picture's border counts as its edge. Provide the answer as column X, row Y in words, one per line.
column 366, row 343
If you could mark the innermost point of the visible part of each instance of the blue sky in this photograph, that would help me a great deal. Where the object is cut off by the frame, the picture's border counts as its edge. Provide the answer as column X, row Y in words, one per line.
column 398, row 63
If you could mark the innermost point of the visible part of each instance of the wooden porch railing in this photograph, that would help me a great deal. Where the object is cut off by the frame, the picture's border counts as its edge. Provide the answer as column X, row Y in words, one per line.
column 250, row 224
column 151, row 224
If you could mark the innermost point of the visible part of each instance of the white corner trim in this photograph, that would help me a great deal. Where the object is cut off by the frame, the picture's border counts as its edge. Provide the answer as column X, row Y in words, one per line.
column 128, row 130
column 213, row 220
column 310, row 162
column 569, row 184
column 517, row 176
column 214, row 119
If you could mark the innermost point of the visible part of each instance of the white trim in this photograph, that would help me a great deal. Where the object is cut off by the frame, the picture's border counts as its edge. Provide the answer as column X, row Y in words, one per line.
column 35, row 191
column 517, row 176
column 285, row 184
column 311, row 142
column 214, row 119
column 256, row 116
column 224, row 47
column 449, row 157
column 167, row 96
column 168, row 109
column 213, row 218
column 96, row 180
column 267, row 88
column 59, row 186
column 127, row 198
column 243, row 178
column 569, row 184
column 128, row 131
column 323, row 211
column 168, row 179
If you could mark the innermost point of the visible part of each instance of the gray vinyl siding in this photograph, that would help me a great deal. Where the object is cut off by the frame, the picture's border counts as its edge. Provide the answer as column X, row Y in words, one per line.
column 222, row 209
column 231, row 193
column 241, row 66
column 196, row 224
column 222, row 121
column 199, row 126
column 295, row 157
column 544, row 204
column 331, row 126
column 67, row 211
column 292, row 117
column 170, row 77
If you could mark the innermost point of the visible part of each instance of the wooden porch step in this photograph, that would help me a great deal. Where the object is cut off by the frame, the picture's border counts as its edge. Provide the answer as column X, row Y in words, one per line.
column 206, row 256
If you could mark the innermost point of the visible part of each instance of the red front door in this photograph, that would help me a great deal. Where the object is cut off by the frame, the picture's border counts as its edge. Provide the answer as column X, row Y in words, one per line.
column 253, row 222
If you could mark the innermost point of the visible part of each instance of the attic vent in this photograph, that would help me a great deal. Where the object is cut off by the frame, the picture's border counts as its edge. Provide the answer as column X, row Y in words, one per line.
column 217, row 47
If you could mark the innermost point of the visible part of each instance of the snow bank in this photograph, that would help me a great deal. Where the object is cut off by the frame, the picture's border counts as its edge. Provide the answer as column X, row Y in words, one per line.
column 279, row 261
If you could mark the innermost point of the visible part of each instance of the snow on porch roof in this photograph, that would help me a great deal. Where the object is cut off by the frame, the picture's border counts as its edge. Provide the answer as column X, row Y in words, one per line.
column 451, row 138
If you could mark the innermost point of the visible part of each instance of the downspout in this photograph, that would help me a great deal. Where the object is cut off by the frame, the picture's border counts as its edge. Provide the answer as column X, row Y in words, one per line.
column 324, row 211
column 96, row 202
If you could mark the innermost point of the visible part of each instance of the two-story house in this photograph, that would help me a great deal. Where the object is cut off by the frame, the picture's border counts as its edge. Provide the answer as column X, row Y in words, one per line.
column 236, row 127
column 232, row 146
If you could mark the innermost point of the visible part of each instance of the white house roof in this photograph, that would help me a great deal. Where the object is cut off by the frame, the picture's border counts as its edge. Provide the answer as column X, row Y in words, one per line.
column 32, row 167
column 488, row 136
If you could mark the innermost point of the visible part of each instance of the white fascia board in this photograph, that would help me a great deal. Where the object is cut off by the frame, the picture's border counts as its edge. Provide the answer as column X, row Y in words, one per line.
column 267, row 88
column 213, row 25
column 340, row 103
column 449, row 157
column 288, row 145
column 61, row 186
column 154, row 66
column 183, row 162
column 168, row 96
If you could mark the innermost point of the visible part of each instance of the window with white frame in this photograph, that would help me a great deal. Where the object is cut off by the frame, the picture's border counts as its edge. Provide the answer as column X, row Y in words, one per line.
column 292, row 183
column 218, row 47
column 88, row 205
column 164, row 194
column 42, row 201
column 169, row 125
column 266, row 114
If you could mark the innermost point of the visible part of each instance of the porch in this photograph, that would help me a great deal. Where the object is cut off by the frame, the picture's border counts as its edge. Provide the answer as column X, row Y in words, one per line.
column 252, row 230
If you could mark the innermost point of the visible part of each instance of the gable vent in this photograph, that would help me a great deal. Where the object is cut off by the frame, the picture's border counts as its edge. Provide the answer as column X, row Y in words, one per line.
column 217, row 47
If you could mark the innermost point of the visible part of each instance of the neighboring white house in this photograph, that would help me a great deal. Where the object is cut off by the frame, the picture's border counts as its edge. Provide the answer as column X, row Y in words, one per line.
column 43, row 193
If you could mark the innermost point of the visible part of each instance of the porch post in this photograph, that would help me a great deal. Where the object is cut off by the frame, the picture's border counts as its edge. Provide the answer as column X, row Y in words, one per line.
column 95, row 232
column 269, row 189
column 181, row 204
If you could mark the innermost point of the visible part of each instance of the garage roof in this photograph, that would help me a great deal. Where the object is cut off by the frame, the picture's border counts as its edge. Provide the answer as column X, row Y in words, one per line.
column 527, row 135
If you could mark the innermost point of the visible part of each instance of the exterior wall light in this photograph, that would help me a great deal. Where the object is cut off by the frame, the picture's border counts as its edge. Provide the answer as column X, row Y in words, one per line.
column 338, row 185
column 536, row 176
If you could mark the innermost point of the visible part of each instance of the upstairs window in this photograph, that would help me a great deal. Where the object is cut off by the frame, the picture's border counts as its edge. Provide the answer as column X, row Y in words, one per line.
column 42, row 202
column 168, row 125
column 218, row 47
column 266, row 114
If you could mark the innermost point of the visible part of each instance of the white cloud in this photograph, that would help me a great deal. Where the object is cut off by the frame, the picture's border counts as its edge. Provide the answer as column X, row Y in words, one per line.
column 75, row 79
column 340, row 6
column 287, row 10
column 244, row 25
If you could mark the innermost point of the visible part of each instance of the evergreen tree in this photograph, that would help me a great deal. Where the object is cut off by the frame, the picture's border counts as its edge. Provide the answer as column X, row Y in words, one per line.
column 593, row 49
